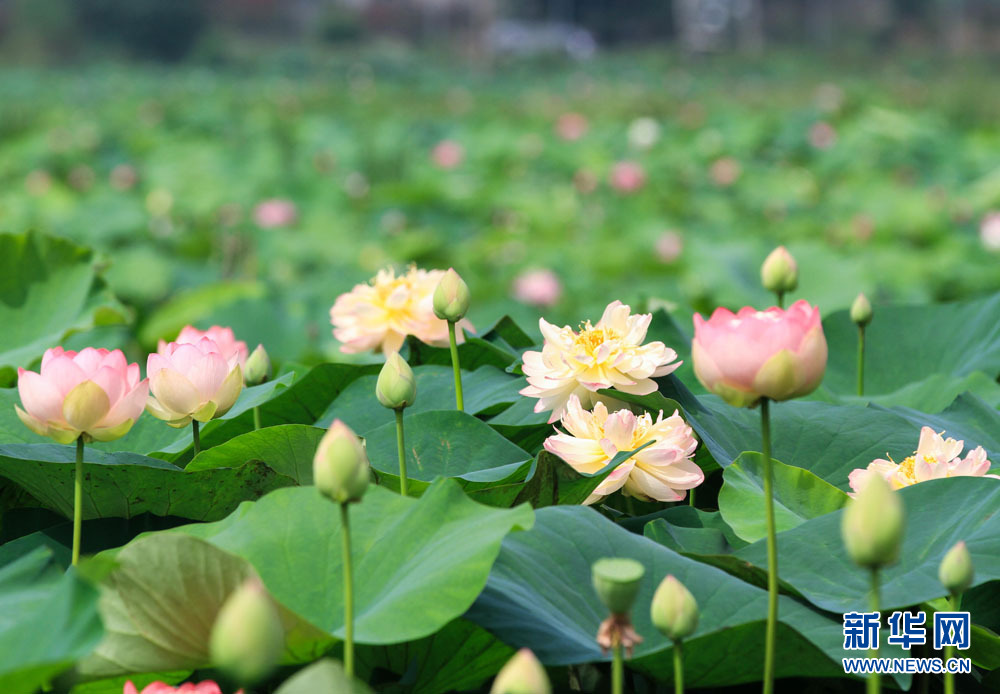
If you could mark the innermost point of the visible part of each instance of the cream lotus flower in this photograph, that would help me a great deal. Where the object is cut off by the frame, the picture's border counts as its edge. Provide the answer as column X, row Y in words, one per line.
column 607, row 355
column 935, row 457
column 662, row 471
column 380, row 314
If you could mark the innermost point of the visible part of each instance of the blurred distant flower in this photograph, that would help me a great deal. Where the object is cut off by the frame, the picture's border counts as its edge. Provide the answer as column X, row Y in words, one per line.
column 571, row 126
column 935, row 457
column 989, row 231
column 82, row 177
column 380, row 314
column 829, row 97
column 192, row 381
column 662, row 471
column 206, row 687
column 822, row 135
column 356, row 185
column 393, row 221
column 725, row 171
column 643, row 133
column 447, row 154
column 274, row 213
column 538, row 288
column 627, row 177
column 585, row 181
column 123, row 177
column 224, row 338
column 38, row 182
column 669, row 246
column 607, row 355
column 159, row 202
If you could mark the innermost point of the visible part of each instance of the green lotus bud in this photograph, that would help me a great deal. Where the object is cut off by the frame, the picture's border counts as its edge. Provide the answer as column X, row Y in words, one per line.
column 258, row 367
column 617, row 583
column 522, row 674
column 872, row 524
column 340, row 466
column 674, row 610
column 861, row 310
column 779, row 273
column 396, row 387
column 247, row 637
column 956, row 572
column 451, row 298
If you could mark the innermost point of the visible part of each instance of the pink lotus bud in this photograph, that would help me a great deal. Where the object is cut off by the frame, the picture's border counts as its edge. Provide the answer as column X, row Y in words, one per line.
column 777, row 354
column 571, row 126
column 725, row 171
column 95, row 393
column 274, row 213
column 627, row 177
column 669, row 246
column 447, row 154
column 205, row 687
column 989, row 231
column 192, row 381
column 224, row 339
column 538, row 288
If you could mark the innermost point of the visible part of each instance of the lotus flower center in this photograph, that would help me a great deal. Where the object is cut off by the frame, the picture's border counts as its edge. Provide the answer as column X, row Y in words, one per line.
column 590, row 339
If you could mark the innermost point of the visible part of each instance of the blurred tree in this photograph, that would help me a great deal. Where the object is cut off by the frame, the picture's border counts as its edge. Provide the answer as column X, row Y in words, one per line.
column 159, row 29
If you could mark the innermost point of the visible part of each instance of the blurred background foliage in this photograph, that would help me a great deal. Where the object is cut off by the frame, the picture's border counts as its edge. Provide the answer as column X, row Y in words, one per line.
column 245, row 161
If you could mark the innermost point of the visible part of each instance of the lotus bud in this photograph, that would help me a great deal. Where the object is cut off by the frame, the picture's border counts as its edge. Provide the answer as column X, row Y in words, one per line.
column 956, row 571
column 617, row 583
column 861, row 310
column 396, row 387
column 674, row 610
column 340, row 466
column 247, row 637
column 872, row 524
column 451, row 298
column 522, row 674
column 258, row 367
column 779, row 273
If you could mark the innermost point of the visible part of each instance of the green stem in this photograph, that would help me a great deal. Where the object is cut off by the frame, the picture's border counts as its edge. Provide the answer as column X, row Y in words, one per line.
column 949, row 651
column 78, row 502
column 771, row 631
column 678, row 667
column 874, row 682
column 401, row 447
column 861, row 360
column 196, row 436
column 781, row 299
column 345, row 528
column 256, row 419
column 459, row 401
column 691, row 497
column 617, row 670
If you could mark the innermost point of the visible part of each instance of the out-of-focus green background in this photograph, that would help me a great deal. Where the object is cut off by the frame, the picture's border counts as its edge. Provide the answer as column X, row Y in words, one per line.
column 245, row 161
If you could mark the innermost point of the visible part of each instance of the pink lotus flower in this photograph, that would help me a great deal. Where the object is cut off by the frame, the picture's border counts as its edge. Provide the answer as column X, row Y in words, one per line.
column 989, row 231
column 777, row 354
column 95, row 393
column 223, row 338
column 822, row 135
column 669, row 246
column 662, row 471
column 206, row 687
column 538, row 288
column 447, row 154
column 725, row 171
column 192, row 381
column 571, row 126
column 627, row 177
column 936, row 457
column 274, row 213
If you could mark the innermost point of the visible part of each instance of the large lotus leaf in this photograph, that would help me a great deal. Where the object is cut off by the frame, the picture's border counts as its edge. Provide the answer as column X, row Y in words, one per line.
column 423, row 561
column 485, row 388
column 48, row 289
column 939, row 513
column 48, row 619
column 798, row 496
column 322, row 677
column 288, row 449
column 161, row 600
column 124, row 485
column 539, row 596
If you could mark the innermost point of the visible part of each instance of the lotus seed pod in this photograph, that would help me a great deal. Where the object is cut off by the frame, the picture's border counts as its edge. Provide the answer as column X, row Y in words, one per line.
column 451, row 298
column 522, row 674
column 258, row 367
column 674, row 610
column 247, row 637
column 396, row 387
column 780, row 272
column 617, row 583
column 872, row 524
column 340, row 466
column 861, row 310
column 956, row 569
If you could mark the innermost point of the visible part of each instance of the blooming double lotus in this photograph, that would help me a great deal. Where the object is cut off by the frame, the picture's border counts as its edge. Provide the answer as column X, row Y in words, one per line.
column 662, row 471
column 743, row 357
column 223, row 338
column 95, row 393
column 206, row 687
column 935, row 457
column 379, row 315
column 607, row 355
column 192, row 381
